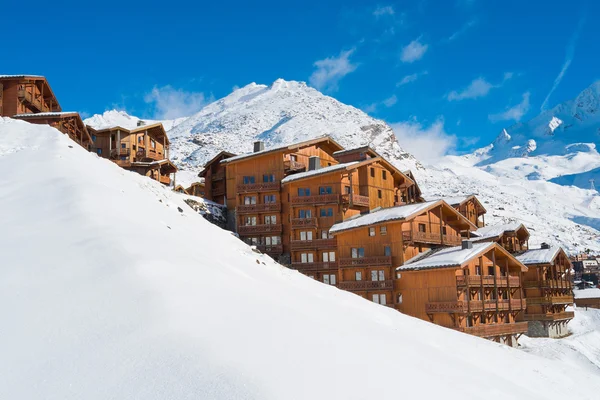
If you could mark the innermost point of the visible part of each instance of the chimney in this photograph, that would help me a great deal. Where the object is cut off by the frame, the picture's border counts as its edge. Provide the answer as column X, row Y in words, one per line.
column 314, row 163
column 259, row 146
column 545, row 245
column 141, row 123
column 467, row 244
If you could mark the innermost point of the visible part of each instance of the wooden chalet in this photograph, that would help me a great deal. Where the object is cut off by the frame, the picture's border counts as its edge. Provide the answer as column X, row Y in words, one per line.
column 514, row 236
column 214, row 178
column 196, row 189
column 371, row 246
column 587, row 298
column 180, row 189
column 30, row 98
column 548, row 290
column 474, row 288
column 470, row 207
column 144, row 150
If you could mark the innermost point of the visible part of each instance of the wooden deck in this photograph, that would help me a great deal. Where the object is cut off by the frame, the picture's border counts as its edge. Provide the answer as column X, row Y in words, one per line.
column 551, row 300
column 488, row 281
column 314, row 244
column 318, row 199
column 492, row 330
column 259, row 187
column 559, row 316
column 366, row 261
column 258, row 208
column 367, row 285
column 256, row 229
column 461, row 307
column 314, row 266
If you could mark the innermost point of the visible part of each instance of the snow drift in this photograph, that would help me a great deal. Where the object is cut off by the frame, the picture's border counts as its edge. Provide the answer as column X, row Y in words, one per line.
column 111, row 287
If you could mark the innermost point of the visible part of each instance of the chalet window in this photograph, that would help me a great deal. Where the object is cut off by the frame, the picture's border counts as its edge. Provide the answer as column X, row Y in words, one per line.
column 140, row 138
column 306, row 235
column 443, row 230
column 379, row 299
column 372, row 172
column 272, row 240
column 305, row 214
column 491, row 271
column 99, row 152
column 328, row 256
column 306, row 257
column 249, row 200
column 371, row 231
column 358, row 252
column 123, row 158
column 399, row 299
column 93, row 138
column 250, row 221
column 477, row 270
column 123, row 146
column 422, row 228
column 384, row 174
column 303, row 191
column 383, row 230
column 379, row 193
column 469, row 321
column 248, row 180
column 153, row 143
column 329, row 279
column 347, row 189
column 269, row 178
column 293, row 157
column 387, row 251
column 329, row 164
column 325, row 190
column 112, row 138
column 326, row 212
column 324, row 234
column 311, row 276
column 270, row 199
column 358, row 276
column 270, row 219
column 377, row 275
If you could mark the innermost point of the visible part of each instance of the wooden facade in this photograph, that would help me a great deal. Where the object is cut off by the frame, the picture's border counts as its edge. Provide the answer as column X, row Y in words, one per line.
column 69, row 123
column 144, row 150
column 513, row 237
column 470, row 207
column 214, row 178
column 196, row 189
column 481, row 294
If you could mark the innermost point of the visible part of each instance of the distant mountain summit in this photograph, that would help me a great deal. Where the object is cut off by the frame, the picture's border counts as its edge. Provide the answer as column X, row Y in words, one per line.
column 283, row 112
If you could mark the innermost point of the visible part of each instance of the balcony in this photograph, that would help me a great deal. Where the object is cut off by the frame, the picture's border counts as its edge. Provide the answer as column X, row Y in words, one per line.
column 366, row 261
column 166, row 179
column 31, row 100
column 257, row 229
column 491, row 330
column 304, row 223
column 270, row 249
column 259, row 187
column 314, row 244
column 551, row 300
column 154, row 155
column 462, row 307
column 318, row 199
column 355, row 200
column 120, row 152
column 218, row 192
column 314, row 266
column 292, row 166
column 367, row 285
column 548, row 284
column 421, row 237
column 452, row 240
column 558, row 316
column 258, row 208
column 487, row 281
column 219, row 176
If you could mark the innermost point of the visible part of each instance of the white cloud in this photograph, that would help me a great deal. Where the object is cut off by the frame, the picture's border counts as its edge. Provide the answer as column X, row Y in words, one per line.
column 568, row 59
column 390, row 101
column 330, row 70
column 411, row 78
column 414, row 51
column 427, row 143
column 383, row 10
column 514, row 113
column 462, row 30
column 170, row 103
column 479, row 87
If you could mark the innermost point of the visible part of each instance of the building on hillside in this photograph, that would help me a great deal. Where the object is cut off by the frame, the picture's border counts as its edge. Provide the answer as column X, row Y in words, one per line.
column 371, row 246
column 470, row 207
column 548, row 290
column 30, row 98
column 514, row 236
column 144, row 150
column 587, row 298
column 213, row 174
column 415, row 190
column 180, row 189
column 270, row 191
column 474, row 288
column 196, row 189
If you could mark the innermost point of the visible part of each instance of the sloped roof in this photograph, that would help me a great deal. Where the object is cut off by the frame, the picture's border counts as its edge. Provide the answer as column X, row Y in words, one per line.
column 46, row 114
column 21, row 76
column 539, row 256
column 495, row 231
column 446, row 257
column 456, row 201
column 591, row 293
column 316, row 172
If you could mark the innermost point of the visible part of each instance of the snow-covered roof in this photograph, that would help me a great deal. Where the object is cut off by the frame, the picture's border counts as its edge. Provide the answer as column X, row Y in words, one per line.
column 591, row 293
column 385, row 214
column 446, row 257
column 19, row 76
column 45, row 114
column 539, row 256
column 453, row 201
column 493, row 231
column 316, row 172
column 354, row 149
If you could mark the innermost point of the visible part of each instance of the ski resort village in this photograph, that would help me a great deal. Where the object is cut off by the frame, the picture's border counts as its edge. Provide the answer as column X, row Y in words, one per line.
column 311, row 257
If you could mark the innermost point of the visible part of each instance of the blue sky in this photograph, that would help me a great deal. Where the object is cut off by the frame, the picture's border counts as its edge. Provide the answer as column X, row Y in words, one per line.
column 457, row 70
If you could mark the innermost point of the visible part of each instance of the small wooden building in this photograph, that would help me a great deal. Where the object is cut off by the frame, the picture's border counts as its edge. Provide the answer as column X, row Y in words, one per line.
column 144, row 150
column 180, row 189
column 26, row 94
column 548, row 290
column 196, row 189
column 69, row 123
column 213, row 174
column 585, row 298
column 475, row 288
column 514, row 236
column 470, row 207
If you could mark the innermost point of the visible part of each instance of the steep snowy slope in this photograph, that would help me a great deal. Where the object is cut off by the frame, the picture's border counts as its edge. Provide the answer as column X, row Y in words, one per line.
column 110, row 287
column 121, row 118
column 284, row 112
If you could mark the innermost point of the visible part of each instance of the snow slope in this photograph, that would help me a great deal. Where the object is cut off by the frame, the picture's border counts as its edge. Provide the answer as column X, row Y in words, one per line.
column 121, row 118
column 109, row 290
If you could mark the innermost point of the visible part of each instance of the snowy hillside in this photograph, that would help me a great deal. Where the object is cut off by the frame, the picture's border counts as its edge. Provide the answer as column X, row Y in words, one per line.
column 109, row 290
column 286, row 112
column 121, row 118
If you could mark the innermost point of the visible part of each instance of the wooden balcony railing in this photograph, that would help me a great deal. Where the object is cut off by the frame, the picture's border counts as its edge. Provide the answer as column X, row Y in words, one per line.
column 314, row 244
column 355, row 200
column 120, row 152
column 421, row 237
column 548, row 284
column 558, row 316
column 318, row 199
column 446, row 307
column 256, row 229
column 218, row 176
column 31, row 100
column 452, row 240
column 258, row 208
column 491, row 330
column 259, row 187
column 488, row 281
column 270, row 249
column 367, row 285
column 154, row 155
column 461, row 307
column 290, row 165
column 551, row 300
column 314, row 266
column 304, row 223
column 218, row 191
column 164, row 179
column 366, row 261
